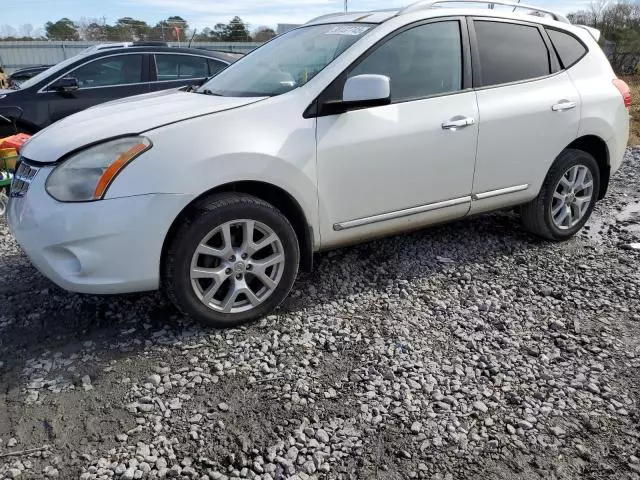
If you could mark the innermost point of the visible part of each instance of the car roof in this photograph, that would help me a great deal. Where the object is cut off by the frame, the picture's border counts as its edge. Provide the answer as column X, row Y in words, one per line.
column 97, row 51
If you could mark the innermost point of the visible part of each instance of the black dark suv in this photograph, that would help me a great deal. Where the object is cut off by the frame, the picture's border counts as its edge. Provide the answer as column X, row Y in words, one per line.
column 102, row 73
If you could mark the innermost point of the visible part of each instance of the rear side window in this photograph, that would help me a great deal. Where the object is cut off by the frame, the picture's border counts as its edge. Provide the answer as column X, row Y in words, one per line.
column 215, row 66
column 569, row 49
column 177, row 67
column 510, row 52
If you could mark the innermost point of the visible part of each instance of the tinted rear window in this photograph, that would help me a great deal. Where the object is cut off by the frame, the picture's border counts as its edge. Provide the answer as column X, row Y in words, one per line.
column 569, row 49
column 510, row 52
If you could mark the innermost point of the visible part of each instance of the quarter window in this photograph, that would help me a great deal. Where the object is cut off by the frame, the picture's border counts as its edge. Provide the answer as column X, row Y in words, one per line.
column 110, row 71
column 178, row 67
column 510, row 52
column 422, row 61
column 569, row 49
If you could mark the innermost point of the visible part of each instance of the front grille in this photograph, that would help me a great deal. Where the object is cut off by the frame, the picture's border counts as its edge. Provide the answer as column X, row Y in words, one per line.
column 22, row 179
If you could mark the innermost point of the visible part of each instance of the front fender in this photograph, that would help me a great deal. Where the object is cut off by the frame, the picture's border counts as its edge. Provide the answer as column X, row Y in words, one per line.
column 198, row 155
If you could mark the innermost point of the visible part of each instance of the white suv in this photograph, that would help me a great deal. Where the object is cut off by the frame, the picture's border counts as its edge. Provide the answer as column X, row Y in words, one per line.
column 352, row 127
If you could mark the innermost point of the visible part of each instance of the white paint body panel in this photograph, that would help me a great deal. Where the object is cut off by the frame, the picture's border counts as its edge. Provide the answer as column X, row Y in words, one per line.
column 520, row 136
column 393, row 157
column 368, row 164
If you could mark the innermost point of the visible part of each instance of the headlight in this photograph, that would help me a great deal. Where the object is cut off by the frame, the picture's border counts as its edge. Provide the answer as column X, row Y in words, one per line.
column 87, row 175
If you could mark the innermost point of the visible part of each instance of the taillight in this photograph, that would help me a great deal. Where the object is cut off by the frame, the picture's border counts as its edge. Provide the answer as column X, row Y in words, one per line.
column 624, row 90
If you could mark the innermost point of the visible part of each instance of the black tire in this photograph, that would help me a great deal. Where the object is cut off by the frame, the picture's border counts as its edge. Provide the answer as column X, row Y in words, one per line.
column 536, row 215
column 215, row 211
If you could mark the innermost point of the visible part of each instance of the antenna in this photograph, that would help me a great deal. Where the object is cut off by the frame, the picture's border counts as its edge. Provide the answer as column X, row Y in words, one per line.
column 346, row 6
column 192, row 36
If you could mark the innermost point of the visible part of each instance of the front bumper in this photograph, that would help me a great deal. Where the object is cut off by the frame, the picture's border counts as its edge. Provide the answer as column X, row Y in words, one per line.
column 104, row 247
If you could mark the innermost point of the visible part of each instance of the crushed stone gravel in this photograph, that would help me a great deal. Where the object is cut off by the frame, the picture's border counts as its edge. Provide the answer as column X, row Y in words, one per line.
column 465, row 351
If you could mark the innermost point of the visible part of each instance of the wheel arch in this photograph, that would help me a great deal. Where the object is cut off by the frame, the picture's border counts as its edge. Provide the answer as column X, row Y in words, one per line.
column 21, row 125
column 596, row 147
column 276, row 196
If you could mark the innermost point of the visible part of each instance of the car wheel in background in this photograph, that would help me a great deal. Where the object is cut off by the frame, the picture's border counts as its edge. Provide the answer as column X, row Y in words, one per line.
column 233, row 260
column 566, row 199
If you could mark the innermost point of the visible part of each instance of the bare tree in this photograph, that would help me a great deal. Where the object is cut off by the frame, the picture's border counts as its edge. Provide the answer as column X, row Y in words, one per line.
column 26, row 30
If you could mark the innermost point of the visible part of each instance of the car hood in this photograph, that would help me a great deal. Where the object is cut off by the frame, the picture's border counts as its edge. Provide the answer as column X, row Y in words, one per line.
column 133, row 115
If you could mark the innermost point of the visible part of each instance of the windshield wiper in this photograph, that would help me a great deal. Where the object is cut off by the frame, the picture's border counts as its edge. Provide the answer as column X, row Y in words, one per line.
column 209, row 92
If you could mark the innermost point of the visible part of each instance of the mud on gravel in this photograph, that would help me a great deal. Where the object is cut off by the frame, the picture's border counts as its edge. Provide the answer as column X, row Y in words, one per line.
column 466, row 351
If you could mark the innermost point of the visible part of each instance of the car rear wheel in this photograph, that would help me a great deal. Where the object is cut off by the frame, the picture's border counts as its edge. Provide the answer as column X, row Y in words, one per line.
column 234, row 260
column 566, row 199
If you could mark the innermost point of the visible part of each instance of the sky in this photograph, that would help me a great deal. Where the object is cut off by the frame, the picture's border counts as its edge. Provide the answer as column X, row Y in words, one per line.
column 202, row 13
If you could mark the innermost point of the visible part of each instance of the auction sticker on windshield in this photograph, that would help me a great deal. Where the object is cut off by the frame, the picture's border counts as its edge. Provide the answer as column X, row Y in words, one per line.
column 354, row 30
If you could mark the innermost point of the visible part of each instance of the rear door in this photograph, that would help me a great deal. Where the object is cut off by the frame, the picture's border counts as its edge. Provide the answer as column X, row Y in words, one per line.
column 174, row 70
column 100, row 80
column 529, row 110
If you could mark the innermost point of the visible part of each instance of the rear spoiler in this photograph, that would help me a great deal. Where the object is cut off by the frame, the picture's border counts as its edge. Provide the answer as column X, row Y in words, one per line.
column 595, row 33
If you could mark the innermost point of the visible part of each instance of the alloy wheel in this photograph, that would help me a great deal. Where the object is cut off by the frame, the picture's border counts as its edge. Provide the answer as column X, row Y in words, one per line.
column 572, row 197
column 237, row 266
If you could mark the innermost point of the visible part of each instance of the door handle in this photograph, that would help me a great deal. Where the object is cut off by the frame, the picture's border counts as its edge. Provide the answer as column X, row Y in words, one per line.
column 456, row 123
column 563, row 105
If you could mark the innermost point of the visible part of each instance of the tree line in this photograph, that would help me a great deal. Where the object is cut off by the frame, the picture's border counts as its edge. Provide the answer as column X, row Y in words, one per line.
column 172, row 29
column 617, row 20
column 619, row 25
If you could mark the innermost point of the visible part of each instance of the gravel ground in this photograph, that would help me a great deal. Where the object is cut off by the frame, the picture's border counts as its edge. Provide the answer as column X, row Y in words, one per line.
column 466, row 351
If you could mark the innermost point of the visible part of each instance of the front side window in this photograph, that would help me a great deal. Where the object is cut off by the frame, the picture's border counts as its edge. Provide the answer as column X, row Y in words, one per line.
column 110, row 71
column 510, row 52
column 420, row 62
column 179, row 67
column 286, row 62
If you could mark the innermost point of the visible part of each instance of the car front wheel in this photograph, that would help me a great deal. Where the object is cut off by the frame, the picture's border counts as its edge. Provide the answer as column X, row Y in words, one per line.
column 566, row 199
column 233, row 260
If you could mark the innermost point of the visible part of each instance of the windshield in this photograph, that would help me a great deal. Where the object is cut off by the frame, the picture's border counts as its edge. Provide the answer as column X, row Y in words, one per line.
column 286, row 62
column 48, row 72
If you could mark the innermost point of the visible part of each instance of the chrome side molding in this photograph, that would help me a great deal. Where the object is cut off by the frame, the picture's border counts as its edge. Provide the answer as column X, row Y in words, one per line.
column 501, row 191
column 401, row 213
column 427, row 208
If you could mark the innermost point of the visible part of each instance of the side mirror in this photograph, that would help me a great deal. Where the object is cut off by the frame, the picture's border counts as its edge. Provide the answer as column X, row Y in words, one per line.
column 367, row 91
column 65, row 85
column 359, row 92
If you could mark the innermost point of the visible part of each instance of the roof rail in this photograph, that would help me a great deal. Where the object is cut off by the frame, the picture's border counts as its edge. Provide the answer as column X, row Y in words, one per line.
column 425, row 4
column 329, row 15
column 107, row 46
column 149, row 43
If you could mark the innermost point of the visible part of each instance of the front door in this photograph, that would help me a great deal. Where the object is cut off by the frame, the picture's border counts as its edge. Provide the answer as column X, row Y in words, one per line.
column 407, row 164
column 101, row 80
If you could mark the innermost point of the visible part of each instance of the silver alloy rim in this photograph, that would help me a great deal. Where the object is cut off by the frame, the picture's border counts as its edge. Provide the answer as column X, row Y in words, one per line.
column 572, row 196
column 237, row 266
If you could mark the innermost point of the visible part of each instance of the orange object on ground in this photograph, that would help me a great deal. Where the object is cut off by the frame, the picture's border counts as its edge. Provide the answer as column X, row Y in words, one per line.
column 14, row 141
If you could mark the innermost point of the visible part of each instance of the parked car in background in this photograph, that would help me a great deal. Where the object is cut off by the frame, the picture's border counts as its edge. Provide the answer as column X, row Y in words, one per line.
column 352, row 127
column 102, row 73
column 24, row 74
